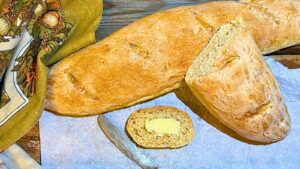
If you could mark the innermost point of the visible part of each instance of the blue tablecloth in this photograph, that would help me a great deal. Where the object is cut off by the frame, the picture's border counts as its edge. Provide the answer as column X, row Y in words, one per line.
column 79, row 143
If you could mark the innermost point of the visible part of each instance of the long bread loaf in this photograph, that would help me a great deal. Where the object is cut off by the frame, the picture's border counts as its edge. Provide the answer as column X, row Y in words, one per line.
column 151, row 56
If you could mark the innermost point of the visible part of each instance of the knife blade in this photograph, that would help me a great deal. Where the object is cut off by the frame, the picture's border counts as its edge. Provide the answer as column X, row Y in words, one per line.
column 124, row 144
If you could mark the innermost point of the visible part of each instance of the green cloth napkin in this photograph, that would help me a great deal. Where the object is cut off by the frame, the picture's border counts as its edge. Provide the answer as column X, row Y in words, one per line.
column 52, row 30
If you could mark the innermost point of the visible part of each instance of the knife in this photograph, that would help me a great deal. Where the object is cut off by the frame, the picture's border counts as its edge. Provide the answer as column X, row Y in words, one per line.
column 125, row 145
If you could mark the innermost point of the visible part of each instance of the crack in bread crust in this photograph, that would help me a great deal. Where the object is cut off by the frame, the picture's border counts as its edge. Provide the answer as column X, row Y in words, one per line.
column 204, row 23
column 80, row 88
column 139, row 50
column 257, row 111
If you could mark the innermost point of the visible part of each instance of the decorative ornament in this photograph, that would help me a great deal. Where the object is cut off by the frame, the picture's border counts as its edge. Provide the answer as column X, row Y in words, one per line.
column 4, row 26
column 40, row 9
column 51, row 19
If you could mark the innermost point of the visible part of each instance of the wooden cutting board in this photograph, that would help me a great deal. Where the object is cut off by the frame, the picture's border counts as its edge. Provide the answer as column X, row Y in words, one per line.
column 118, row 14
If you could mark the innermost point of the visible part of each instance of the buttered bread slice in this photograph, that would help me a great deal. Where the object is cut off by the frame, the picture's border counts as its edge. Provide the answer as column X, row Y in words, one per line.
column 160, row 127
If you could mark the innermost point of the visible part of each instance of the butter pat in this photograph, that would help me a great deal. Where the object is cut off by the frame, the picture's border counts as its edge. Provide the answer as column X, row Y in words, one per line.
column 163, row 126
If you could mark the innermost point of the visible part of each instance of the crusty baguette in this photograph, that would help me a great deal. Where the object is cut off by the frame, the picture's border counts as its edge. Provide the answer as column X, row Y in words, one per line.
column 234, row 83
column 137, row 128
column 151, row 56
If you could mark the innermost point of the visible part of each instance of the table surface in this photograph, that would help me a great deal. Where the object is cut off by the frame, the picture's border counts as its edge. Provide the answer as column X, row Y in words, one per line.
column 118, row 14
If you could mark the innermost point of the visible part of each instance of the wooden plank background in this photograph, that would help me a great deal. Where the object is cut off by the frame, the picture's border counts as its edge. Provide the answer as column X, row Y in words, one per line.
column 119, row 13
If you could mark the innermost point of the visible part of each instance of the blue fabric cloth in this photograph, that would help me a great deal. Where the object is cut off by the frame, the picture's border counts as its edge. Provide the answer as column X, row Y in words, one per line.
column 79, row 143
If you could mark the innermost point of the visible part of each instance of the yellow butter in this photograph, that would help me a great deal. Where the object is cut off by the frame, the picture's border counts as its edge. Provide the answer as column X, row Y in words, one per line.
column 163, row 126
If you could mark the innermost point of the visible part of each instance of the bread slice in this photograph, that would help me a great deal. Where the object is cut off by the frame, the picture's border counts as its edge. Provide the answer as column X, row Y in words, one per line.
column 234, row 83
column 160, row 127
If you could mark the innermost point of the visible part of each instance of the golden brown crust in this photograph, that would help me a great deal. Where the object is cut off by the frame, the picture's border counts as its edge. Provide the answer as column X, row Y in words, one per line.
column 185, row 94
column 151, row 56
column 243, row 94
column 135, row 128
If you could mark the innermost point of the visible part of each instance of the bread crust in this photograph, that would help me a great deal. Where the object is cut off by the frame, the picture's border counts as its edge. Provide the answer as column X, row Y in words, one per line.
column 151, row 56
column 243, row 93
